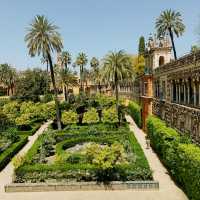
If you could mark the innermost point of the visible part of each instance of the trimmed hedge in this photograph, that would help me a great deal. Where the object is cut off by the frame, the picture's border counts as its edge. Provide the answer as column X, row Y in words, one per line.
column 136, row 169
column 135, row 111
column 31, row 132
column 6, row 156
column 182, row 160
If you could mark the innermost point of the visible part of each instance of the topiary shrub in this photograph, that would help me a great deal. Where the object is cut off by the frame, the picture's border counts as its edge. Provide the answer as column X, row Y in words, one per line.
column 91, row 116
column 110, row 115
column 69, row 117
column 135, row 111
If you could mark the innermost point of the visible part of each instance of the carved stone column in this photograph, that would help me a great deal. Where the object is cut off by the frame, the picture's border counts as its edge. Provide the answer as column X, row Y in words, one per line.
column 188, row 90
column 176, row 92
column 179, row 92
column 195, row 94
column 199, row 94
column 184, row 92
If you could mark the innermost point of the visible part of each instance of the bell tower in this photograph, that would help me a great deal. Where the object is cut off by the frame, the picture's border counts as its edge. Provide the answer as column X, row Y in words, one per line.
column 158, row 52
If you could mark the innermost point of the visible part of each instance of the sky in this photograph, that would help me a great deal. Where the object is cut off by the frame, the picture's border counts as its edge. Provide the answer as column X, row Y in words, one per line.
column 91, row 26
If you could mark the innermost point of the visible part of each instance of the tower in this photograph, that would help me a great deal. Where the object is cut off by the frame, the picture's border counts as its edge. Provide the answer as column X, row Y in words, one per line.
column 158, row 52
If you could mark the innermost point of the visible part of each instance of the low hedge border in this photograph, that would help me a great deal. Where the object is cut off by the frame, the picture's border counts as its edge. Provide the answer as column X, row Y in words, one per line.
column 32, row 172
column 7, row 155
column 135, row 111
column 31, row 132
column 180, row 157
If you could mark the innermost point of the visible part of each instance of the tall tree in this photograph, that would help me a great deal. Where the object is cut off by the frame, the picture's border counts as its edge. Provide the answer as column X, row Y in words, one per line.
column 95, row 72
column 67, row 79
column 66, row 59
column 30, row 84
column 117, row 67
column 141, row 47
column 43, row 38
column 81, row 61
column 65, row 62
column 170, row 22
column 8, row 77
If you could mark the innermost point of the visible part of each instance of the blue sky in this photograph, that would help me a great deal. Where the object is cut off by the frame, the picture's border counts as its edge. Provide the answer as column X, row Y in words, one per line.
column 92, row 26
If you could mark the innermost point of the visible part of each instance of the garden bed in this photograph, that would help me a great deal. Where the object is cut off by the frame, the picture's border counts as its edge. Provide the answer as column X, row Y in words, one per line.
column 80, row 166
column 12, row 150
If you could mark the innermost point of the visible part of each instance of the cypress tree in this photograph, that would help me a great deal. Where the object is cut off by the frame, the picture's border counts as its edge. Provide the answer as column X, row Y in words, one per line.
column 141, row 48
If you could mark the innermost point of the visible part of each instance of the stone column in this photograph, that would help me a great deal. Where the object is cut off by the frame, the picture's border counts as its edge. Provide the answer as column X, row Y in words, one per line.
column 176, row 93
column 195, row 94
column 172, row 98
column 184, row 92
column 199, row 94
column 179, row 92
column 188, row 92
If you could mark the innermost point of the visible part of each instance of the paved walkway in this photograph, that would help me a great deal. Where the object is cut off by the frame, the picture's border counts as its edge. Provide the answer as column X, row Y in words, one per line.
column 168, row 190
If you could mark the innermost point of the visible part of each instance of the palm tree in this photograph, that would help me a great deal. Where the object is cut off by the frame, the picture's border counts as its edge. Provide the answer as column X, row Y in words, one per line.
column 8, row 77
column 65, row 59
column 96, row 73
column 81, row 61
column 117, row 67
column 170, row 22
column 67, row 78
column 45, row 60
column 43, row 39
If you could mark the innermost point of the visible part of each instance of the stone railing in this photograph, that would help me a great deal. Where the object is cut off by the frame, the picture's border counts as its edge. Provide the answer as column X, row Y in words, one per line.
column 184, row 119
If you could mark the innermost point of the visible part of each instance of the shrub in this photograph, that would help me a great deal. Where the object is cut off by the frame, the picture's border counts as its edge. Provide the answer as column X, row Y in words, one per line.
column 182, row 160
column 7, row 155
column 69, row 117
column 135, row 112
column 4, row 121
column 91, row 116
column 11, row 109
column 110, row 115
column 23, row 122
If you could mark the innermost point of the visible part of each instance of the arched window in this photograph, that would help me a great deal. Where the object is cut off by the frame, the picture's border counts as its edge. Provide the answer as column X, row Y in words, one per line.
column 161, row 60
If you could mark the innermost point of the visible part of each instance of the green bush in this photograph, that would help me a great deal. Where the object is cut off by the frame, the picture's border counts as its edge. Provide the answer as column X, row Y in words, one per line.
column 182, row 160
column 7, row 155
column 110, row 115
column 69, row 117
column 11, row 109
column 135, row 112
column 91, row 116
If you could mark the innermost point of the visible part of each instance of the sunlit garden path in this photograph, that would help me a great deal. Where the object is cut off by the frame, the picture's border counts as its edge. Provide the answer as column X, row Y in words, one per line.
column 7, row 173
column 168, row 189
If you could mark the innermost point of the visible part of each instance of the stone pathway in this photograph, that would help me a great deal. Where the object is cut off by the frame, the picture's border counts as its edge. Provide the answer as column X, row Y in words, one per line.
column 168, row 190
column 7, row 172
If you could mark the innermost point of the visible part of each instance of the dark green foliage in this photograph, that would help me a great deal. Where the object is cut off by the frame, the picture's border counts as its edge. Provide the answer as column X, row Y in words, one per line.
column 11, row 134
column 31, row 84
column 4, row 121
column 182, row 159
column 47, row 98
column 141, row 47
column 135, row 111
column 13, row 149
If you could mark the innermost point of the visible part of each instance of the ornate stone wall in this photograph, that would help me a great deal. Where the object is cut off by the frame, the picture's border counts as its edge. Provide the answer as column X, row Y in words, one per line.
column 184, row 119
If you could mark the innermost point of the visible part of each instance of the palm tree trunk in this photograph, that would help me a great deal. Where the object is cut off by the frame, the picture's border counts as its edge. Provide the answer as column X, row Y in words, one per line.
column 117, row 97
column 81, row 78
column 58, row 114
column 173, row 45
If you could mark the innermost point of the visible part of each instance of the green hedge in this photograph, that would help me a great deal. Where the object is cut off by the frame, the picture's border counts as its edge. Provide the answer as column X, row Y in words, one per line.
column 182, row 160
column 135, row 111
column 7, row 155
column 31, row 132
